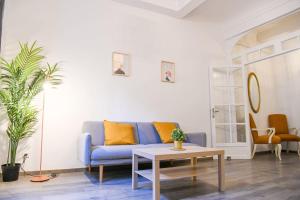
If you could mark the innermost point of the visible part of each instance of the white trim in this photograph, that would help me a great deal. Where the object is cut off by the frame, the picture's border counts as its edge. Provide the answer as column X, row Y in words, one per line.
column 238, row 144
column 229, row 104
column 247, row 126
column 277, row 41
column 262, row 16
column 211, row 100
column 244, row 157
column 274, row 55
column 235, row 157
column 278, row 50
column 234, row 86
column 224, row 124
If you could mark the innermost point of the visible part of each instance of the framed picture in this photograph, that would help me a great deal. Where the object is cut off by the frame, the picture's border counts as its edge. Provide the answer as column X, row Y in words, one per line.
column 167, row 71
column 120, row 64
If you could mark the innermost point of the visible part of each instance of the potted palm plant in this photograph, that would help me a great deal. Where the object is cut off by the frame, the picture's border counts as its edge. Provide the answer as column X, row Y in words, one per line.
column 21, row 79
column 178, row 137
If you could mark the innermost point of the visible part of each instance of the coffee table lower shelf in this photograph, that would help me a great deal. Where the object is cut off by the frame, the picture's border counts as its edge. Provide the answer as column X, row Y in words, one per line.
column 157, row 174
column 171, row 172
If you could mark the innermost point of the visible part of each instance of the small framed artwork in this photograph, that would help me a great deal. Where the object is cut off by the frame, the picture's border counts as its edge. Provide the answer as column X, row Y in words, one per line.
column 120, row 64
column 167, row 71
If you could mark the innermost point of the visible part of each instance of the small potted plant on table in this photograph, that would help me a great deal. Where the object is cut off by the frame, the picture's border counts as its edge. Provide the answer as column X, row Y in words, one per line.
column 178, row 137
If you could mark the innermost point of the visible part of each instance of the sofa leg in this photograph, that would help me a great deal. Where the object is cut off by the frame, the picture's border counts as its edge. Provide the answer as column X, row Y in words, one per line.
column 279, row 151
column 253, row 152
column 100, row 174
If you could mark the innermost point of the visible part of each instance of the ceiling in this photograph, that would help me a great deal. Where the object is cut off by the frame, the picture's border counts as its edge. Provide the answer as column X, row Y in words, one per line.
column 225, row 11
column 230, row 16
column 212, row 10
column 169, row 4
column 236, row 17
column 174, row 8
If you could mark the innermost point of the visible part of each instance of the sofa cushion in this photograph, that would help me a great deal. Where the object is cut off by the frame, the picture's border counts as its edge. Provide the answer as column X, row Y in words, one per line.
column 96, row 130
column 136, row 136
column 113, row 152
column 118, row 133
column 147, row 133
column 164, row 130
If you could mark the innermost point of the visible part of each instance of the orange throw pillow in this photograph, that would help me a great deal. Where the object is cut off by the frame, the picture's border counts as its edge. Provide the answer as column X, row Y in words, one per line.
column 164, row 130
column 118, row 133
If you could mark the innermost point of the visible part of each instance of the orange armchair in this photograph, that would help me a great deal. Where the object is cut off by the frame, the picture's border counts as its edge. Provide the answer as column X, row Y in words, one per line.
column 268, row 138
column 280, row 123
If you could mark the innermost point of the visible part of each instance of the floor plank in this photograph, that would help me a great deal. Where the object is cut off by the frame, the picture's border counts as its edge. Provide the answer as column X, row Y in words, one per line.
column 261, row 178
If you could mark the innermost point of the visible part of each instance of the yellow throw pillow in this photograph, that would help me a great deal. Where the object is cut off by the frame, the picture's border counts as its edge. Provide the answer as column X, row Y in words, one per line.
column 164, row 130
column 118, row 133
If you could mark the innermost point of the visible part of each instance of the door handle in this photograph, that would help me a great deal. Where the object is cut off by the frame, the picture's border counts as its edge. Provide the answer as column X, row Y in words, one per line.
column 213, row 112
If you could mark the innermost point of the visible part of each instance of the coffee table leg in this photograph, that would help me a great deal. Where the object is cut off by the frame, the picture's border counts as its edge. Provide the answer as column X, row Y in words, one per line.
column 221, row 175
column 194, row 163
column 155, row 180
column 135, row 163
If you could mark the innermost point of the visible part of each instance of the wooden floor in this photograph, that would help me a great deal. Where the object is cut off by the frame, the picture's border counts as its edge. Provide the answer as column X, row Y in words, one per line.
column 261, row 178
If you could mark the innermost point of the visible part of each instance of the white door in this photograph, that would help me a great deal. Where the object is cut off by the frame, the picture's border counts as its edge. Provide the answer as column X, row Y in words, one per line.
column 228, row 111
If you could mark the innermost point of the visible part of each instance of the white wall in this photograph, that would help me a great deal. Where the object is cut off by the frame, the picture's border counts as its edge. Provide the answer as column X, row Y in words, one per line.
column 82, row 35
column 280, row 89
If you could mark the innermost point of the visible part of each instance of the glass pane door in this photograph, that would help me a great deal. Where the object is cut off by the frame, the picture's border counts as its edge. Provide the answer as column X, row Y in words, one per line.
column 228, row 109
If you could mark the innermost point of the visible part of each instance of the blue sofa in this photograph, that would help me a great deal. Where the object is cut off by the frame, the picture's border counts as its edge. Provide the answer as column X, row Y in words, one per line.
column 93, row 152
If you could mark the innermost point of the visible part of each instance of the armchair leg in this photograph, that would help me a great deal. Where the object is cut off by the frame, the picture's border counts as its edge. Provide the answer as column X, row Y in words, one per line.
column 298, row 148
column 276, row 150
column 272, row 148
column 100, row 174
column 287, row 146
column 253, row 151
column 279, row 151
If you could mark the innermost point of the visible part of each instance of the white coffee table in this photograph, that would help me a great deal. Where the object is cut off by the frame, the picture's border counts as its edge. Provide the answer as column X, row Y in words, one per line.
column 165, row 153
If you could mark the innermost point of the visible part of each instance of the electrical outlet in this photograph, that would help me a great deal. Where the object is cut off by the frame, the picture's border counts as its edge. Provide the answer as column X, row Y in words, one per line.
column 25, row 156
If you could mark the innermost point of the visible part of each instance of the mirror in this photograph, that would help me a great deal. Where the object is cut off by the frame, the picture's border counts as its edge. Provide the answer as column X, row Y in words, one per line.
column 254, row 92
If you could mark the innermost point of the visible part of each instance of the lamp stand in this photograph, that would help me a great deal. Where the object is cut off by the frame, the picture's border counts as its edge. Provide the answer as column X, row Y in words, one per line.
column 40, row 177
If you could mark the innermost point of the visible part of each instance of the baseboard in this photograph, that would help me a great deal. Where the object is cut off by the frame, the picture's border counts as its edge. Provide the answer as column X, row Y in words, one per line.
column 61, row 171
column 54, row 171
column 268, row 151
column 238, row 157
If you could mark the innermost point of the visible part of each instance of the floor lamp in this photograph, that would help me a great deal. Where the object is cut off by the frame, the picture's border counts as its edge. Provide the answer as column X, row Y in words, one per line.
column 41, row 177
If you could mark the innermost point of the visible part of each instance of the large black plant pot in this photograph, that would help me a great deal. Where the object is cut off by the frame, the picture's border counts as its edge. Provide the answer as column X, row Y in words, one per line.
column 10, row 173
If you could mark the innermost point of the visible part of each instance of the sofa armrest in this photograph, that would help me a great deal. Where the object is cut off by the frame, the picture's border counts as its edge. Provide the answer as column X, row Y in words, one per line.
column 84, row 151
column 197, row 138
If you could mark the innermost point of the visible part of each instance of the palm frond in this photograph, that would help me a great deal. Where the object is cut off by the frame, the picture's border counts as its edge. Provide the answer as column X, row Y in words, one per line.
column 52, row 74
column 21, row 80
